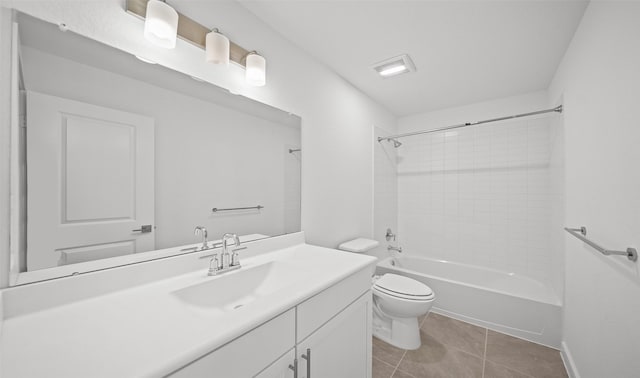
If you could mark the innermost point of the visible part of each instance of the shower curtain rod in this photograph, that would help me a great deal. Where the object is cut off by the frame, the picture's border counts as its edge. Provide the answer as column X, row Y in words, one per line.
column 557, row 109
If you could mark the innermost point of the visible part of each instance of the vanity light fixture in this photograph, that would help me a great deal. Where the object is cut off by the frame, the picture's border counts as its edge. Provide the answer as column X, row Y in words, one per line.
column 162, row 28
column 217, row 48
column 256, row 73
column 161, row 24
column 395, row 66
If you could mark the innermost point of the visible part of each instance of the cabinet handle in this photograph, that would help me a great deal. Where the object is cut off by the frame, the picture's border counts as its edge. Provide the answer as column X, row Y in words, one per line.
column 308, row 358
column 294, row 367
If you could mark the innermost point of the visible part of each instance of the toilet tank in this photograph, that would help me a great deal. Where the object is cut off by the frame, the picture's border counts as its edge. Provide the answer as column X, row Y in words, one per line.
column 359, row 245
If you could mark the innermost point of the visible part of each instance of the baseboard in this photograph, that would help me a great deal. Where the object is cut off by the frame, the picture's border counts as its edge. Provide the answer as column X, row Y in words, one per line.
column 569, row 365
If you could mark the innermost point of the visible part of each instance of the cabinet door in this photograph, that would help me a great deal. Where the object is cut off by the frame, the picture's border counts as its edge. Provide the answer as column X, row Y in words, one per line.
column 247, row 355
column 281, row 368
column 342, row 347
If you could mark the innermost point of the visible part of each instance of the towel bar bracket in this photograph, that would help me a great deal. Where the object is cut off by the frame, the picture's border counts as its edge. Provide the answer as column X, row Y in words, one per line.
column 632, row 254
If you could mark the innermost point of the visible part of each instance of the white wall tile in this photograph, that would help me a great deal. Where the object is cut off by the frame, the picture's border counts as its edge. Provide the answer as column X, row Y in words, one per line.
column 480, row 196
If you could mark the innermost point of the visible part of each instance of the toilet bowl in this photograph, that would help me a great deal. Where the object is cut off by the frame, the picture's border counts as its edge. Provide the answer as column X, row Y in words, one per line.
column 398, row 301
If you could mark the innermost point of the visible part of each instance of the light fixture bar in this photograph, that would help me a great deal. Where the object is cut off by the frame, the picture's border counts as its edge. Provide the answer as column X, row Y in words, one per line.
column 190, row 31
column 395, row 70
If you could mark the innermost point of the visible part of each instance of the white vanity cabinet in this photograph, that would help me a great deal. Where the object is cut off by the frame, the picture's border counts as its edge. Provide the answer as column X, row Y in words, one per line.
column 282, row 368
column 289, row 298
column 333, row 328
column 247, row 355
column 334, row 331
column 342, row 347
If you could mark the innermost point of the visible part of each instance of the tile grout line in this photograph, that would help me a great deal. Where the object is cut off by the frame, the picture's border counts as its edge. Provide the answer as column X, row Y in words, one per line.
column 484, row 356
column 386, row 363
column 399, row 361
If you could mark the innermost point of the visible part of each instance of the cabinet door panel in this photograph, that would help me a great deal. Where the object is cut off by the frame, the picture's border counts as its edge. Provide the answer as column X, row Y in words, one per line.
column 280, row 368
column 247, row 355
column 316, row 311
column 342, row 347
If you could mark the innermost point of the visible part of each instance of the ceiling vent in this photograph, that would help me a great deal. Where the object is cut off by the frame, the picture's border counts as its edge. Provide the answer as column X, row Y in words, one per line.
column 395, row 66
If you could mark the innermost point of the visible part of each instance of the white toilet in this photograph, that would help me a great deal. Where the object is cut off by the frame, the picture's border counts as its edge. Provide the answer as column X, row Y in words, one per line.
column 398, row 301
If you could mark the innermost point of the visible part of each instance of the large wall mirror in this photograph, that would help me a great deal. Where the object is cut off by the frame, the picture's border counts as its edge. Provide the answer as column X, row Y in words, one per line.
column 121, row 160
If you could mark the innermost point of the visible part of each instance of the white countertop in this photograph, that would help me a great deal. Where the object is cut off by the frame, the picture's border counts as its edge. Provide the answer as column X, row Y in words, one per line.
column 148, row 331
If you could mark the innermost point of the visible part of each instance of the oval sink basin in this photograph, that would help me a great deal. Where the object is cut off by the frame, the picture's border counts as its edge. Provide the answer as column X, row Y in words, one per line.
column 233, row 290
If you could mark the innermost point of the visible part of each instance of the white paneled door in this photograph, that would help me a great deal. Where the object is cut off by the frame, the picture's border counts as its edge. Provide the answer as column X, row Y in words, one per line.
column 90, row 182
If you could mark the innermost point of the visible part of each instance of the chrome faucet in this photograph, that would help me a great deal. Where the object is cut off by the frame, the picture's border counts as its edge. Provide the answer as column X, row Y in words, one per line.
column 392, row 248
column 225, row 258
column 201, row 230
column 227, row 262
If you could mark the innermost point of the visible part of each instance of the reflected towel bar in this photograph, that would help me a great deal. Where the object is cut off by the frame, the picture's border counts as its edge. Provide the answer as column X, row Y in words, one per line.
column 581, row 234
column 215, row 209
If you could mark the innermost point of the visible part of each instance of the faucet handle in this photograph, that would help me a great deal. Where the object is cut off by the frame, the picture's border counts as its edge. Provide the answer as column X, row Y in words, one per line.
column 235, row 257
column 213, row 265
column 390, row 235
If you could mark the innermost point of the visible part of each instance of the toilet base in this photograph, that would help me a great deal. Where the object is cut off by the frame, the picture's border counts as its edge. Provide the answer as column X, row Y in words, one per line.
column 400, row 332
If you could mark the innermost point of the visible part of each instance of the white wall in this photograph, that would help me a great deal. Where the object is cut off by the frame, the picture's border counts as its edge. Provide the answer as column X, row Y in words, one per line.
column 599, row 79
column 337, row 119
column 206, row 155
column 479, row 195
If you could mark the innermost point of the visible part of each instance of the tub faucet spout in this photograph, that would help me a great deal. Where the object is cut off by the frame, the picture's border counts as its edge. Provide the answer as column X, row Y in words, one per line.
column 392, row 248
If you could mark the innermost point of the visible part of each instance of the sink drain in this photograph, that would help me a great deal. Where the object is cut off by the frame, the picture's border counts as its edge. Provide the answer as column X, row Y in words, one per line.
column 238, row 306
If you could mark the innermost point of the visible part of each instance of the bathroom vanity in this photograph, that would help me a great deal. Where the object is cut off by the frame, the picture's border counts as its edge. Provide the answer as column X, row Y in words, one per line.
column 291, row 306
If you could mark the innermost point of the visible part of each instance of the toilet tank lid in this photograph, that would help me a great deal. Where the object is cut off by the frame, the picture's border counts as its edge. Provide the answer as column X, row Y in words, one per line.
column 358, row 245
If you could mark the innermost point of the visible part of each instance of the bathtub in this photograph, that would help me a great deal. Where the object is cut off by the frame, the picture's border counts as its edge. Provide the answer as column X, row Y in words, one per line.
column 504, row 302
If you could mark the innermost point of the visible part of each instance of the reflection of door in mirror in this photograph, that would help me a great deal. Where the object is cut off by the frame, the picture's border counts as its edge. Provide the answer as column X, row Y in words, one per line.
column 90, row 182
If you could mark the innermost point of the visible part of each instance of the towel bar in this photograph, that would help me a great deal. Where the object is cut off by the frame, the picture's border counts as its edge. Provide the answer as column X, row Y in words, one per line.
column 581, row 234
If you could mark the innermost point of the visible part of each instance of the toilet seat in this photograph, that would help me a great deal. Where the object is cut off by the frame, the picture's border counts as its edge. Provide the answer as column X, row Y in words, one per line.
column 402, row 287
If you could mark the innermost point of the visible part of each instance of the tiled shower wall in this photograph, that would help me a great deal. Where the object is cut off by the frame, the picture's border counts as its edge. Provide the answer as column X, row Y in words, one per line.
column 479, row 195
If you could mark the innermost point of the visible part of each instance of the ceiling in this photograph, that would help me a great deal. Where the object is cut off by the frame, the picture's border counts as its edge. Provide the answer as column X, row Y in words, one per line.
column 464, row 51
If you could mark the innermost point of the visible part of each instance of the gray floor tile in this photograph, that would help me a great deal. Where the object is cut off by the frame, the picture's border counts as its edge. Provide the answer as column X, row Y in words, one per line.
column 445, row 353
column 421, row 319
column 382, row 369
column 386, row 352
column 493, row 370
column 463, row 336
column 435, row 359
column 402, row 374
column 523, row 356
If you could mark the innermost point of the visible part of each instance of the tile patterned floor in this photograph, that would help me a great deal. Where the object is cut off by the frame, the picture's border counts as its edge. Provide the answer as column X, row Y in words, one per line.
column 454, row 349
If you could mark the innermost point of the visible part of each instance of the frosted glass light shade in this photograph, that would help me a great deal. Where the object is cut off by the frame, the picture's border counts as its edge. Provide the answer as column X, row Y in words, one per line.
column 217, row 48
column 161, row 24
column 256, row 73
